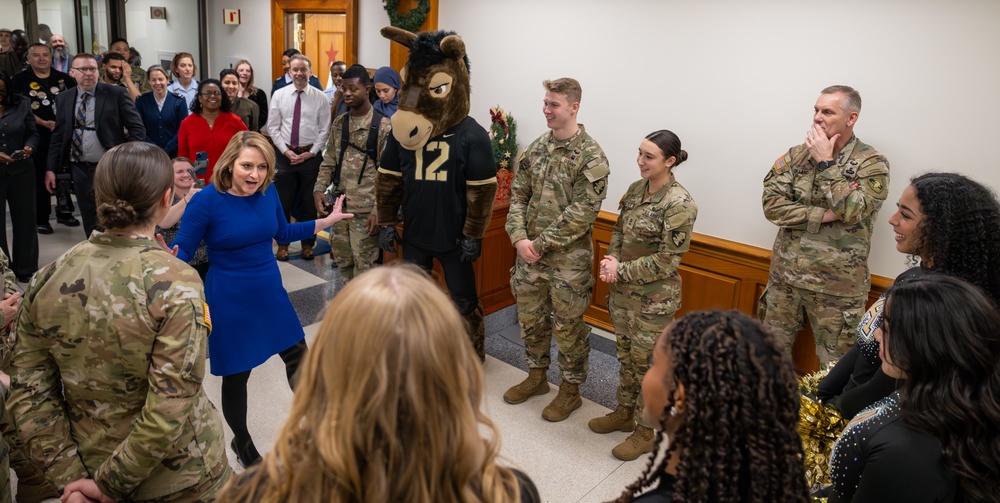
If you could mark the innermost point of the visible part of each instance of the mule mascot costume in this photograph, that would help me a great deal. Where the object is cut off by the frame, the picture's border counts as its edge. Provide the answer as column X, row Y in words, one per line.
column 438, row 164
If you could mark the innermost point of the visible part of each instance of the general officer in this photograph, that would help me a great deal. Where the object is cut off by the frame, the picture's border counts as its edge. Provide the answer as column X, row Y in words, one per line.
column 557, row 192
column 824, row 196
column 110, row 354
column 655, row 221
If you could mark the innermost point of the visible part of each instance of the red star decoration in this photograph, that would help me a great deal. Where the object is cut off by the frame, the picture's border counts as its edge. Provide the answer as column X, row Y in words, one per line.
column 332, row 53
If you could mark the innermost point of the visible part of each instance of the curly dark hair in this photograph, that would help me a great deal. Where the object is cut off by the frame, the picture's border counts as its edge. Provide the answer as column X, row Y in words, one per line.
column 739, row 439
column 224, row 104
column 957, row 229
column 942, row 335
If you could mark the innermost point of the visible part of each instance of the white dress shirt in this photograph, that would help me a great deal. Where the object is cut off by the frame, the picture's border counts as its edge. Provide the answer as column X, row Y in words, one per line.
column 189, row 94
column 314, row 118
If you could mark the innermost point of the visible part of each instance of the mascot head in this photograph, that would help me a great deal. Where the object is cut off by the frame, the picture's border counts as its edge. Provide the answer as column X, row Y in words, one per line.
column 435, row 91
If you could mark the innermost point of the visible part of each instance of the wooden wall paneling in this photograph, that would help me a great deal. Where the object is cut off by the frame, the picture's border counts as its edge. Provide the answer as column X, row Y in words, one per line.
column 703, row 289
column 493, row 267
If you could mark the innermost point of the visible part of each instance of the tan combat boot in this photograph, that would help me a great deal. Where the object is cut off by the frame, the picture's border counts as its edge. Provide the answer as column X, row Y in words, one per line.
column 619, row 420
column 638, row 443
column 564, row 403
column 534, row 385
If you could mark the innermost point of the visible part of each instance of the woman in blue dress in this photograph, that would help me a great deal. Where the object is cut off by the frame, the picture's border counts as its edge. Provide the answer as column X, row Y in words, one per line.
column 237, row 220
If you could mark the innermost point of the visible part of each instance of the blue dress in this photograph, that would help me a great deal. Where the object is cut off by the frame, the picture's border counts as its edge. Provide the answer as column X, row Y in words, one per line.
column 252, row 316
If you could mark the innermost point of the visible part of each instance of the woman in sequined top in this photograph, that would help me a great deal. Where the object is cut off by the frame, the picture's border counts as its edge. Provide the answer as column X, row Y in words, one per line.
column 947, row 223
column 936, row 438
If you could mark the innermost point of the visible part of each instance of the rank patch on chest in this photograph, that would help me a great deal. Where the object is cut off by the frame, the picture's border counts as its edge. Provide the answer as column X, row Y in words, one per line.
column 678, row 237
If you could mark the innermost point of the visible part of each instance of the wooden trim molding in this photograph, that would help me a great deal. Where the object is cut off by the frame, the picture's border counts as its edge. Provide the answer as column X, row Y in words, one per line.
column 717, row 274
column 278, row 9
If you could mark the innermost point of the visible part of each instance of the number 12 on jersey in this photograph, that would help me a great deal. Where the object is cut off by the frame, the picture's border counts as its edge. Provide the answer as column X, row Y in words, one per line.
column 431, row 173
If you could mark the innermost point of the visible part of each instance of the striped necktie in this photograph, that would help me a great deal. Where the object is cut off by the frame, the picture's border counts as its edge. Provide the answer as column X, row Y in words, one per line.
column 76, row 149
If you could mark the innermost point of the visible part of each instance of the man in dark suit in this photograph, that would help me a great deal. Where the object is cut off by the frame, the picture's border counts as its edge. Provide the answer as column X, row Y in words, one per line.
column 89, row 121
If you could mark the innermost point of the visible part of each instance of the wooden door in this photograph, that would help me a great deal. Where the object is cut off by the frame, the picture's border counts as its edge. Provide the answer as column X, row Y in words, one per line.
column 349, row 8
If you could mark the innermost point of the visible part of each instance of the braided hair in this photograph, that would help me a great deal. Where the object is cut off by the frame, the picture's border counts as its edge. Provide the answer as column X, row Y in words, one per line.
column 738, row 440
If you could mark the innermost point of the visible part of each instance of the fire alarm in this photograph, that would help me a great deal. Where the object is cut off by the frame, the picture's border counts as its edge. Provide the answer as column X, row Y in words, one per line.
column 230, row 16
column 158, row 13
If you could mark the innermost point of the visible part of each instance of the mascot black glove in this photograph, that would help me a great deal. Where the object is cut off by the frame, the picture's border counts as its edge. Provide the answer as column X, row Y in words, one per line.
column 469, row 249
column 387, row 238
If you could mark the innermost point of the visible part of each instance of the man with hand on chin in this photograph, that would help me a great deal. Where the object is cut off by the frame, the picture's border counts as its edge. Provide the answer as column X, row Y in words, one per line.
column 299, row 125
column 824, row 196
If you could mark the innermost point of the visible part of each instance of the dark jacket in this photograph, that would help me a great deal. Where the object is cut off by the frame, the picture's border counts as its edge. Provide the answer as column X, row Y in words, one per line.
column 162, row 125
column 114, row 114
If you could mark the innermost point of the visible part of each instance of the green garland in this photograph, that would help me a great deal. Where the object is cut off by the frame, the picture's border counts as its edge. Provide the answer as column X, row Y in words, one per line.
column 410, row 21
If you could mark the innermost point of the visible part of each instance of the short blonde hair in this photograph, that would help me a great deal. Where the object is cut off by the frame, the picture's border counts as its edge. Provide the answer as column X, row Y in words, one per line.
column 567, row 86
column 222, row 175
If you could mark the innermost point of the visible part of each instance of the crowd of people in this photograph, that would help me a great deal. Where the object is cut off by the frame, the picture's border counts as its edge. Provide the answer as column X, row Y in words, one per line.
column 170, row 172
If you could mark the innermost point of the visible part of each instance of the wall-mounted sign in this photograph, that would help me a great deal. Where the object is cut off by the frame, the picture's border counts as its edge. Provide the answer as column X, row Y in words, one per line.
column 230, row 16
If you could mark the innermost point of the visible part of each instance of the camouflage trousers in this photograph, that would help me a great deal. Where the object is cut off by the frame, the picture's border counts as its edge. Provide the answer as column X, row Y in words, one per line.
column 353, row 249
column 833, row 319
column 551, row 303
column 635, row 335
column 32, row 485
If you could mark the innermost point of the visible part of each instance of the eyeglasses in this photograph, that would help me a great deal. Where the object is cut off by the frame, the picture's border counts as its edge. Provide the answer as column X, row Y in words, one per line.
column 85, row 70
column 211, row 93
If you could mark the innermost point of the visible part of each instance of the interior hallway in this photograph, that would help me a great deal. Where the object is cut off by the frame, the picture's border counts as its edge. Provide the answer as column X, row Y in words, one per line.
column 567, row 461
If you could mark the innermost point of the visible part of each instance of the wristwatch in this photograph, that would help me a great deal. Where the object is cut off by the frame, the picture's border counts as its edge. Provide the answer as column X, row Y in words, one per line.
column 822, row 165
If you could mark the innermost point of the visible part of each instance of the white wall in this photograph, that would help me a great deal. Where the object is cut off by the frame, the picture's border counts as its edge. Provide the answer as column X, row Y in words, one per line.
column 250, row 40
column 178, row 33
column 373, row 50
column 13, row 15
column 737, row 80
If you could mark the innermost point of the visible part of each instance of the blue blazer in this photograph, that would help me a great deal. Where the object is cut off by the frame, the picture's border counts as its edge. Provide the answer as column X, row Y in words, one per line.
column 162, row 125
column 280, row 82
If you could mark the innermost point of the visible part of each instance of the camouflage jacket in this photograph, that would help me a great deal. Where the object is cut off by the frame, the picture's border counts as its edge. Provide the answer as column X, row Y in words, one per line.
column 360, row 194
column 6, row 336
column 556, row 196
column 829, row 258
column 107, row 371
column 649, row 238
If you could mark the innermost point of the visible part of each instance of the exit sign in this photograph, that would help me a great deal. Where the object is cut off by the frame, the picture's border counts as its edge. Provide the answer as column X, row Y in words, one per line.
column 230, row 16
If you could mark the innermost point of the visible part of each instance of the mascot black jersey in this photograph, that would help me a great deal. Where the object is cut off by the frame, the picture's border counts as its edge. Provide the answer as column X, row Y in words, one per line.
column 436, row 177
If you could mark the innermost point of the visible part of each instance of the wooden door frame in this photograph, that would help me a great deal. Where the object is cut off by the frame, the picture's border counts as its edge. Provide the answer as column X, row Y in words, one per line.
column 278, row 9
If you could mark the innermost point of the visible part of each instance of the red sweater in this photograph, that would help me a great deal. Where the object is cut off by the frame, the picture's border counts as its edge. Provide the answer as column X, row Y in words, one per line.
column 195, row 136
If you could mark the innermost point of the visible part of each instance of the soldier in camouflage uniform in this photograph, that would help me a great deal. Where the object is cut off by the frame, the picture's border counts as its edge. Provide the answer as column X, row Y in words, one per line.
column 353, row 242
column 824, row 196
column 11, row 299
column 107, row 367
column 557, row 192
column 655, row 220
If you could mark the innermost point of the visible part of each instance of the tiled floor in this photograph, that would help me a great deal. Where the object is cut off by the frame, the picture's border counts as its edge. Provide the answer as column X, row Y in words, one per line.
column 567, row 461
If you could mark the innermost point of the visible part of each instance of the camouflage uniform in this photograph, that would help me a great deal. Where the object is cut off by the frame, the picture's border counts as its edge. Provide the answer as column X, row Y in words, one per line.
column 555, row 198
column 650, row 236
column 107, row 372
column 354, row 250
column 9, row 286
column 820, row 270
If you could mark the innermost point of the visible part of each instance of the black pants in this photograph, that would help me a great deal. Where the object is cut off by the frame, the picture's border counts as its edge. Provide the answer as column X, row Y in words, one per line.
column 234, row 391
column 295, row 183
column 83, row 185
column 43, row 198
column 459, row 276
column 17, row 189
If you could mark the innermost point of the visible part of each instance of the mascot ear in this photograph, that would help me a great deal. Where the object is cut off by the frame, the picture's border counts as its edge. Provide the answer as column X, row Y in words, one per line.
column 398, row 35
column 453, row 47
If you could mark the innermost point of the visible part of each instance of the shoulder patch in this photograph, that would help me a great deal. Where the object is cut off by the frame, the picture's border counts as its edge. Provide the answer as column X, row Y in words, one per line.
column 783, row 163
column 877, row 184
column 678, row 238
column 600, row 185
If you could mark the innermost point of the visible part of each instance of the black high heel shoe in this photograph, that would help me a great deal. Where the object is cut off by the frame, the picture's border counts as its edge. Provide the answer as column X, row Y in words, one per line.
column 246, row 456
